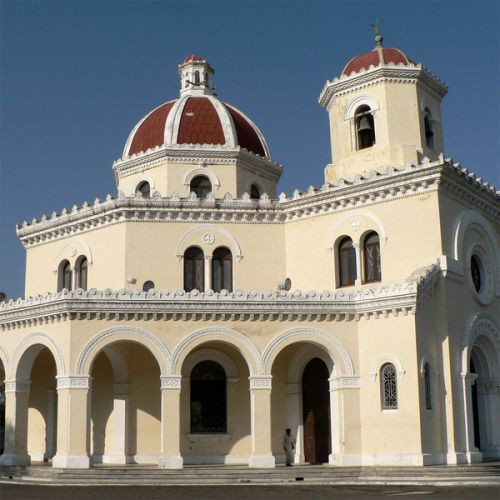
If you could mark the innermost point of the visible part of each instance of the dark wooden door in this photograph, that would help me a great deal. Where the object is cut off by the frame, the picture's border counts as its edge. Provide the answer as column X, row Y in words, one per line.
column 316, row 412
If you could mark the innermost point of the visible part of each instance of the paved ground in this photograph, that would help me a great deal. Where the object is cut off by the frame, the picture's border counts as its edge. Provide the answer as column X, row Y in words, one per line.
column 28, row 492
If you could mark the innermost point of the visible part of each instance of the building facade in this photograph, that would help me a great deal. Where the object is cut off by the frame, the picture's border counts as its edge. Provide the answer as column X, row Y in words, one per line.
column 196, row 315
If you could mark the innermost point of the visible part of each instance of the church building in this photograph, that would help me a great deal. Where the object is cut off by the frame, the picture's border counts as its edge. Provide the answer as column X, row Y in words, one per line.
column 196, row 314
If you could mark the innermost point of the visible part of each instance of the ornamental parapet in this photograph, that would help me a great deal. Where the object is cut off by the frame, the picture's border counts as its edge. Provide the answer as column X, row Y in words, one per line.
column 395, row 182
column 392, row 299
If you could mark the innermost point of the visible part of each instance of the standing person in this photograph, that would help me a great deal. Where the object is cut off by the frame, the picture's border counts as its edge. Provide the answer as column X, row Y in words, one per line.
column 288, row 446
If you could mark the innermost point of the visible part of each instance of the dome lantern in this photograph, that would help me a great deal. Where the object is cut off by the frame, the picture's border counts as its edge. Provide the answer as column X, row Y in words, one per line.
column 196, row 76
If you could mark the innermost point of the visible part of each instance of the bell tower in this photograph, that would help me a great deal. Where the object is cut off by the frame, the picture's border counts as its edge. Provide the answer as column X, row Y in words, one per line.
column 384, row 110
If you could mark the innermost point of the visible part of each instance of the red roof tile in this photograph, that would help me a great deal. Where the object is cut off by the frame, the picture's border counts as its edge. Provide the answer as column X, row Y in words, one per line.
column 192, row 57
column 200, row 123
column 247, row 136
column 364, row 61
column 151, row 131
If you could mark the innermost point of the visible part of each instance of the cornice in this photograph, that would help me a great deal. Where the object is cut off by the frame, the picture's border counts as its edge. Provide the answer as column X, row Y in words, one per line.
column 392, row 73
column 376, row 187
column 390, row 299
column 203, row 153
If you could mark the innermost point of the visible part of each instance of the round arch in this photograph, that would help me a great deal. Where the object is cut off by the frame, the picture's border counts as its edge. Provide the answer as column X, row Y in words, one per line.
column 73, row 253
column 118, row 364
column 186, row 241
column 228, row 336
column 4, row 359
column 305, row 354
column 123, row 334
column 465, row 220
column 335, row 349
column 205, row 172
column 362, row 100
column 479, row 327
column 220, row 357
column 23, row 357
column 382, row 360
column 379, row 228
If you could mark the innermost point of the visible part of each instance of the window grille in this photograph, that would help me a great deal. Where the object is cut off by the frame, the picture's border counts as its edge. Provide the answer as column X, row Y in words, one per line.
column 388, row 379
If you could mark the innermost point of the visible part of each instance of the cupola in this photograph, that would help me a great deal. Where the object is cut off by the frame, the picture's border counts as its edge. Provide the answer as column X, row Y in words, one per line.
column 384, row 110
column 196, row 76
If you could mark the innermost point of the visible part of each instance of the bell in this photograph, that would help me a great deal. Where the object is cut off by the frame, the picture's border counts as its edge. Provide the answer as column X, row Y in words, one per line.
column 364, row 124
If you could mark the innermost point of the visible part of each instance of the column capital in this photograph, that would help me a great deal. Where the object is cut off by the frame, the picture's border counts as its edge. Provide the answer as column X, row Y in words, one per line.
column 73, row 382
column 260, row 382
column 171, row 382
column 344, row 382
column 16, row 385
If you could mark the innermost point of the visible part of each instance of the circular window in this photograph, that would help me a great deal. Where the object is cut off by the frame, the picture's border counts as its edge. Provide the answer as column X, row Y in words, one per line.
column 476, row 272
column 480, row 274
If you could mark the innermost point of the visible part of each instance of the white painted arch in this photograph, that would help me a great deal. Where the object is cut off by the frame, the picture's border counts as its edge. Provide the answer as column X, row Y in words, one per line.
column 4, row 359
column 185, row 243
column 27, row 350
column 482, row 325
column 205, row 172
column 123, row 334
column 378, row 227
column 361, row 100
column 87, row 252
column 382, row 360
column 302, row 357
column 333, row 347
column 228, row 336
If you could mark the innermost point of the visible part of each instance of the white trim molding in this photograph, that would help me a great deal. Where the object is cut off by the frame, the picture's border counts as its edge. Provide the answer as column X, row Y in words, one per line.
column 206, row 172
column 366, row 100
column 386, row 358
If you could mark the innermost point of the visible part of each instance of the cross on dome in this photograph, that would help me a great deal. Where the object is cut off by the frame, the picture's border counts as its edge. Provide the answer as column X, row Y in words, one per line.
column 196, row 76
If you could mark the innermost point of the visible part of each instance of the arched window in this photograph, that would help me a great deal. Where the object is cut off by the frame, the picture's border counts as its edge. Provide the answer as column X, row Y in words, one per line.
column 194, row 269
column 144, row 189
column 371, row 258
column 81, row 270
column 208, row 398
column 429, row 133
column 388, row 387
column 254, row 192
column 427, row 386
column 148, row 285
column 201, row 185
column 222, row 270
column 346, row 262
column 365, row 127
column 196, row 77
column 64, row 277
column 206, row 78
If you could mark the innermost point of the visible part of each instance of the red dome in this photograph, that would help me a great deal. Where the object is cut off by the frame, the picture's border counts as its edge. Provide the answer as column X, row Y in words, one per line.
column 376, row 57
column 196, row 120
column 193, row 58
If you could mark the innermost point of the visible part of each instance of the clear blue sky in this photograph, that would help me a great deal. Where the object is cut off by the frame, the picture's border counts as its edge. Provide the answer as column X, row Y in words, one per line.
column 77, row 75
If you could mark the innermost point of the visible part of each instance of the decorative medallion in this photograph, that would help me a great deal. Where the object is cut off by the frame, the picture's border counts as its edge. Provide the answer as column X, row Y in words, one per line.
column 208, row 238
column 355, row 224
column 72, row 251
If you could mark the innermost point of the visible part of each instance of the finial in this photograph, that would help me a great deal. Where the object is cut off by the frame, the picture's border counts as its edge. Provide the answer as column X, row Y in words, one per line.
column 378, row 35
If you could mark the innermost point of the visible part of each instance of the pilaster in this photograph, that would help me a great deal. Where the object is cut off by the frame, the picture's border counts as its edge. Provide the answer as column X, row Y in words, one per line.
column 260, row 407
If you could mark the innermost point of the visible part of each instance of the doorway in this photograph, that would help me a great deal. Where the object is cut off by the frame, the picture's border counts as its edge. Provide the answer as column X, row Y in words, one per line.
column 316, row 412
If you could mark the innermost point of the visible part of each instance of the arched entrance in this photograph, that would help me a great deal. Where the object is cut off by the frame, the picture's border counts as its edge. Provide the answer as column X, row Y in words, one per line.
column 316, row 412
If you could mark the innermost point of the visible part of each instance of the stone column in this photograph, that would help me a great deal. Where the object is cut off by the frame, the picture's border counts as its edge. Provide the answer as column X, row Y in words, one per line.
column 73, row 422
column 121, row 403
column 471, row 452
column 358, row 264
column 17, row 394
column 51, row 424
column 170, row 423
column 260, row 408
column 208, row 272
column 295, row 420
